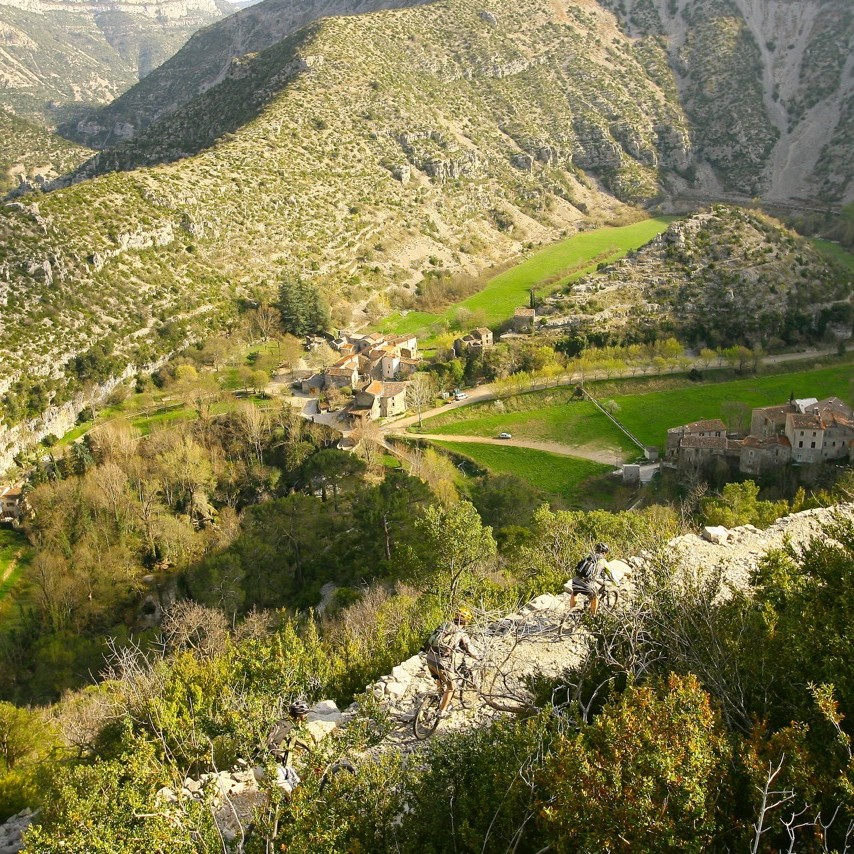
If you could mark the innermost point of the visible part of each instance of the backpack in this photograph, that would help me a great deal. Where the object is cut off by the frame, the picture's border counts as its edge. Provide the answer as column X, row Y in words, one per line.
column 440, row 640
column 586, row 567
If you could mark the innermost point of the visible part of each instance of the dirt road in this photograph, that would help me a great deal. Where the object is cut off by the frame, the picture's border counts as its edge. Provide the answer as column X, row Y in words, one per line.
column 607, row 456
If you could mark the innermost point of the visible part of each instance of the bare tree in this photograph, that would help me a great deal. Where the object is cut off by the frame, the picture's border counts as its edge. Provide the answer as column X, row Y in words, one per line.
column 421, row 392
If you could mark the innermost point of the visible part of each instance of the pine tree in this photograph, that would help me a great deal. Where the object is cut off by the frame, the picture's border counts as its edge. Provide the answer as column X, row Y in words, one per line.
column 303, row 308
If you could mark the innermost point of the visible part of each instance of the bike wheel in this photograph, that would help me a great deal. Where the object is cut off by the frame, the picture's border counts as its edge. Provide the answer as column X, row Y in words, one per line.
column 610, row 598
column 427, row 717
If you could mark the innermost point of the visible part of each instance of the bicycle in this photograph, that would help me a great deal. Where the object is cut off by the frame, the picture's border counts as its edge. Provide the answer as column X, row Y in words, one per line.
column 608, row 594
column 428, row 716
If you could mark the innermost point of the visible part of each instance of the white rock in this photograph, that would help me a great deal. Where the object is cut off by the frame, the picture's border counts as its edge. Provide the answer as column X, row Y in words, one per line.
column 396, row 689
column 716, row 534
column 400, row 674
column 318, row 730
column 166, row 795
column 259, row 773
column 546, row 602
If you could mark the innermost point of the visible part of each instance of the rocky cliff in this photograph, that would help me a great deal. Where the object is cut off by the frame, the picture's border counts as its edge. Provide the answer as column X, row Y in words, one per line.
column 768, row 86
column 58, row 58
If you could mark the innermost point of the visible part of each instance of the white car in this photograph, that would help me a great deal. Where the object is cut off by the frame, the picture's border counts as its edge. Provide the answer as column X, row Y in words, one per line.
column 505, row 436
column 460, row 395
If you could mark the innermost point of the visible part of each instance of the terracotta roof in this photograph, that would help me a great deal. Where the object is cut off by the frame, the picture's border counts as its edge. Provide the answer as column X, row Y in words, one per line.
column 484, row 330
column 770, row 442
column 375, row 388
column 713, row 442
column 781, row 409
column 340, row 372
column 806, row 422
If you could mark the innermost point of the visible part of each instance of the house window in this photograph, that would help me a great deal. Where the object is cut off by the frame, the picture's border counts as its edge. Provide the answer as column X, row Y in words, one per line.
column 812, row 444
column 802, row 432
column 813, row 433
column 800, row 444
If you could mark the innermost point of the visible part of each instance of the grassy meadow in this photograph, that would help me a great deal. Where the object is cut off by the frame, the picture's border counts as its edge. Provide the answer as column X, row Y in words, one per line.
column 547, row 270
column 554, row 475
column 558, row 419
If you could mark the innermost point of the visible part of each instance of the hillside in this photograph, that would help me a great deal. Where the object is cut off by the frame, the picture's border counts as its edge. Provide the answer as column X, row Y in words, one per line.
column 31, row 156
column 206, row 60
column 723, row 276
column 361, row 150
column 59, row 58
column 767, row 87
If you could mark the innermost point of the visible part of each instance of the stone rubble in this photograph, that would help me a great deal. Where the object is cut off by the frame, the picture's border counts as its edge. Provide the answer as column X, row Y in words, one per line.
column 12, row 831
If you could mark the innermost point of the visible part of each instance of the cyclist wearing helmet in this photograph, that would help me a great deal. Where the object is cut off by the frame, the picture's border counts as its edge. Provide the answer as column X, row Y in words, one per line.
column 443, row 650
column 588, row 576
column 286, row 735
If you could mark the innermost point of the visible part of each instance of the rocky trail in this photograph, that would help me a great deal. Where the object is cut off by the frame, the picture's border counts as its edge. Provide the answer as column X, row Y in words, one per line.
column 542, row 637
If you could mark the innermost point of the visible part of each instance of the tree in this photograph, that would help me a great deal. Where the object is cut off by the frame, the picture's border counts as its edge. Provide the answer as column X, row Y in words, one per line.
column 456, row 545
column 303, row 308
column 331, row 469
column 421, row 392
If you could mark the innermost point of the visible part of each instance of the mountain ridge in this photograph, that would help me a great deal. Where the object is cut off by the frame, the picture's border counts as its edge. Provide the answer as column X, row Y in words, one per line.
column 58, row 59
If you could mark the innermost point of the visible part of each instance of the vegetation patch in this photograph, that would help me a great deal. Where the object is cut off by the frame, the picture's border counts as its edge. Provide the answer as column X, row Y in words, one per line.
column 554, row 474
column 14, row 555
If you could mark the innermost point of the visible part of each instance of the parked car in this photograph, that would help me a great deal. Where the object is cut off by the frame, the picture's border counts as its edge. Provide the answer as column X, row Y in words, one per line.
column 504, row 436
column 460, row 395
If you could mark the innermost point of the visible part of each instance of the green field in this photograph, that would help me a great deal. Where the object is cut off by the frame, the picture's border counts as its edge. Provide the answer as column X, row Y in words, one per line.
column 835, row 252
column 12, row 543
column 548, row 415
column 557, row 419
column 547, row 270
column 650, row 415
column 553, row 474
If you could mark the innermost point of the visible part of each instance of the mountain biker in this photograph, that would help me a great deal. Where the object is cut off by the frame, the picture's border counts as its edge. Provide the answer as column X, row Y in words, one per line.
column 285, row 737
column 443, row 649
column 588, row 576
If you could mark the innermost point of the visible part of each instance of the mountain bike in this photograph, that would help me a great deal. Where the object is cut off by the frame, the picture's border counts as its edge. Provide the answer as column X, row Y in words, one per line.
column 428, row 716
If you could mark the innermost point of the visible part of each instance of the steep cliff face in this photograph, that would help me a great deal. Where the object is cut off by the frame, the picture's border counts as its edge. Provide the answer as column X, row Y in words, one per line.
column 206, row 60
column 60, row 56
column 768, row 86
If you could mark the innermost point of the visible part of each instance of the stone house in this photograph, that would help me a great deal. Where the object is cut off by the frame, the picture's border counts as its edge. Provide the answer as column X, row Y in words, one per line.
column 804, row 431
column 761, row 455
column 712, row 428
column 344, row 372
column 12, row 502
column 477, row 339
column 379, row 400
column 767, row 421
column 524, row 319
column 824, row 431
